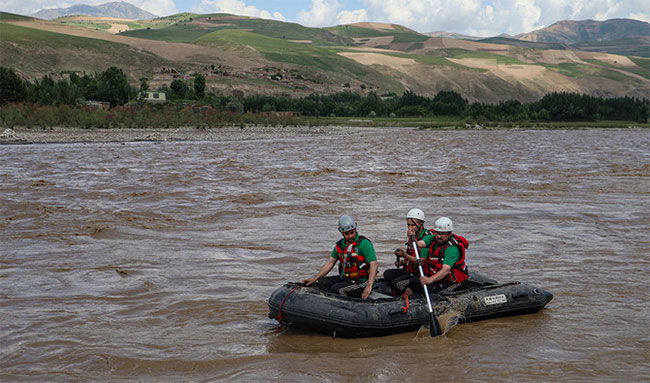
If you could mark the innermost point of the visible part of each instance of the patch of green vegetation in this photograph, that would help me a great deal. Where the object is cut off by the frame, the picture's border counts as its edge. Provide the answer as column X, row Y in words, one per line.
column 175, row 18
column 415, row 46
column 88, row 24
column 34, row 37
column 522, row 43
column 409, row 38
column 642, row 62
column 285, row 31
column 180, row 33
column 278, row 49
column 432, row 60
column 6, row 16
column 193, row 27
column 500, row 59
column 447, row 52
column 639, row 71
column 136, row 25
column 400, row 35
column 582, row 71
column 162, row 22
column 354, row 31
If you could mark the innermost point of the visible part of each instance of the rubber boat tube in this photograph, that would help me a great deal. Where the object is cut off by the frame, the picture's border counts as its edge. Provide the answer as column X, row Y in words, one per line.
column 312, row 309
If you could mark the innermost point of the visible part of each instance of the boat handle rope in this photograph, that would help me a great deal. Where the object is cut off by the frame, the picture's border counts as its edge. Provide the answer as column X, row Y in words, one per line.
column 405, row 308
column 277, row 331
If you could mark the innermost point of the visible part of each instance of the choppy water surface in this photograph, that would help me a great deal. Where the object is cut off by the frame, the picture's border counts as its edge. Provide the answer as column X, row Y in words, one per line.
column 154, row 261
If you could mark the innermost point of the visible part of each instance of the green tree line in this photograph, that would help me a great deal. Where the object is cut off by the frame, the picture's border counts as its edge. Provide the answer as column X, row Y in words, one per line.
column 112, row 86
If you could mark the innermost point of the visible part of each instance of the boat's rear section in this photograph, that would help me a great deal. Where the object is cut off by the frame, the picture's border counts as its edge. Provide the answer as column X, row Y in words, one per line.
column 498, row 300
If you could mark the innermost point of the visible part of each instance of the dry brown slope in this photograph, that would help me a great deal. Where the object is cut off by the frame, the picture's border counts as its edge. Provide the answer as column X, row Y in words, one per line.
column 487, row 80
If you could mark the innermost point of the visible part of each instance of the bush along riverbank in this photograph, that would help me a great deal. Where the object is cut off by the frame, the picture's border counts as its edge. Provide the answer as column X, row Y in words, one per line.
column 173, row 115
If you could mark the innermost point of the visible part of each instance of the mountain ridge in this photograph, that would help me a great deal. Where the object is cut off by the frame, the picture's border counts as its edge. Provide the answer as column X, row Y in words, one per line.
column 117, row 9
column 575, row 32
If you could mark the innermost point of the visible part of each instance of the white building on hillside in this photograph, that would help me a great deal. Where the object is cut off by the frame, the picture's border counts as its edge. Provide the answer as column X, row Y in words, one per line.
column 154, row 96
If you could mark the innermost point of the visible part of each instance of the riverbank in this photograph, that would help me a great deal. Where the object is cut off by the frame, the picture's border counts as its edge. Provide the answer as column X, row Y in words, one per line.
column 230, row 133
column 22, row 135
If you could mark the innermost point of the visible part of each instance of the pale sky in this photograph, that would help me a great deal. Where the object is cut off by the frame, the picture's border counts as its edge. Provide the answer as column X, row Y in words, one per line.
column 472, row 17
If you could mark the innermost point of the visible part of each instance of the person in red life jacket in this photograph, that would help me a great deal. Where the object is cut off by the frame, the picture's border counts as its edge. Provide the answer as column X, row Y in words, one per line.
column 357, row 264
column 446, row 270
column 407, row 272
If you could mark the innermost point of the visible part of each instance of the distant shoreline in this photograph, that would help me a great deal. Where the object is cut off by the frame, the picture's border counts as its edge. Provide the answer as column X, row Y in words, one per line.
column 57, row 135
column 231, row 133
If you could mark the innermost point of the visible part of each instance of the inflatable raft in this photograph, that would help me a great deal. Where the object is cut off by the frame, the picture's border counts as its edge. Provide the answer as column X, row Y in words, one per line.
column 312, row 309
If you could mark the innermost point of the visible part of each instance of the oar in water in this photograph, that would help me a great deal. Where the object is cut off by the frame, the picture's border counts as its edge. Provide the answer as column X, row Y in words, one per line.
column 434, row 325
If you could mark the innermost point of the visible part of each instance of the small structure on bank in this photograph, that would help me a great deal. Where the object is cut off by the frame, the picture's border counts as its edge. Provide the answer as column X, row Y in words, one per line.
column 154, row 96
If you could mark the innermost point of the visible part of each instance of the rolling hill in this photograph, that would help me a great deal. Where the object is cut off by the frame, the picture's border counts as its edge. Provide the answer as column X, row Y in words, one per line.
column 258, row 56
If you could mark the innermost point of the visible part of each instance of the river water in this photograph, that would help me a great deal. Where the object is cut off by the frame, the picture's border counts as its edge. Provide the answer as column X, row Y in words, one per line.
column 154, row 261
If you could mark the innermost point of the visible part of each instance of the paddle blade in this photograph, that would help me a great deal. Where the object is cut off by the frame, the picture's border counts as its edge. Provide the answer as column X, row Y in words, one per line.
column 434, row 326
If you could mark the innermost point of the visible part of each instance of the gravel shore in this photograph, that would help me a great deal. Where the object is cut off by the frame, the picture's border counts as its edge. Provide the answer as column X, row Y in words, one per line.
column 66, row 135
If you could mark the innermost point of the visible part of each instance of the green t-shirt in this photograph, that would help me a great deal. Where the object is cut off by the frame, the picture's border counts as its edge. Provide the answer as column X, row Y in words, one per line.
column 428, row 237
column 365, row 248
column 451, row 255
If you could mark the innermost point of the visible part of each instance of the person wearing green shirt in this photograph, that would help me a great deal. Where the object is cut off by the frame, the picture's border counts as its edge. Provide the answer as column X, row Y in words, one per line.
column 357, row 264
column 446, row 268
column 407, row 272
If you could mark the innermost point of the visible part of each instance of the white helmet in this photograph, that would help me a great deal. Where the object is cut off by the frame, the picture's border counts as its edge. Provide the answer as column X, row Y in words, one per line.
column 443, row 225
column 415, row 214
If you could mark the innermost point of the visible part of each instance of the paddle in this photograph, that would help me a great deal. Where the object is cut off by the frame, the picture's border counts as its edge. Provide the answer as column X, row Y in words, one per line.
column 434, row 325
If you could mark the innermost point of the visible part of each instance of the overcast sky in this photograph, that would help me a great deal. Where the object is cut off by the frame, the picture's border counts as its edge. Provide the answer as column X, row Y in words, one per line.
column 472, row 17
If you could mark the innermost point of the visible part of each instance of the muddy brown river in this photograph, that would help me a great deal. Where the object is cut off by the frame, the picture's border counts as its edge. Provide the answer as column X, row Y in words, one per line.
column 154, row 261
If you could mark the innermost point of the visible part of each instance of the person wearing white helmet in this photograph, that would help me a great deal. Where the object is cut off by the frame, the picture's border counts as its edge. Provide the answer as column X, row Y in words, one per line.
column 357, row 264
column 445, row 266
column 407, row 272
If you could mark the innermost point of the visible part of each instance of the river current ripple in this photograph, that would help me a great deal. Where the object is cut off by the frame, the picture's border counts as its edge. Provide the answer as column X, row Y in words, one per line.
column 154, row 261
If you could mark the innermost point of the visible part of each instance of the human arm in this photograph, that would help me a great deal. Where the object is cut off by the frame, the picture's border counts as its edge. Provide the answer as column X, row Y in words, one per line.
column 410, row 232
column 372, row 275
column 423, row 248
column 323, row 271
column 437, row 276
column 451, row 256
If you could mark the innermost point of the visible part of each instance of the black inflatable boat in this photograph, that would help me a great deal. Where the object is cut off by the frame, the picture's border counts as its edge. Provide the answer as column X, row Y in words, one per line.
column 312, row 309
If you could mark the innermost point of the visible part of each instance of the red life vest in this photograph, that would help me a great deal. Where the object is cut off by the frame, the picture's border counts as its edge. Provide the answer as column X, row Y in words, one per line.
column 458, row 272
column 352, row 266
column 409, row 266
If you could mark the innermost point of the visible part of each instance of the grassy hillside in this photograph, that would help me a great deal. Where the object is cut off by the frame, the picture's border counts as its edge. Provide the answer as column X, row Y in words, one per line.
column 399, row 34
column 37, row 52
column 295, row 54
column 190, row 28
column 4, row 16
column 522, row 43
